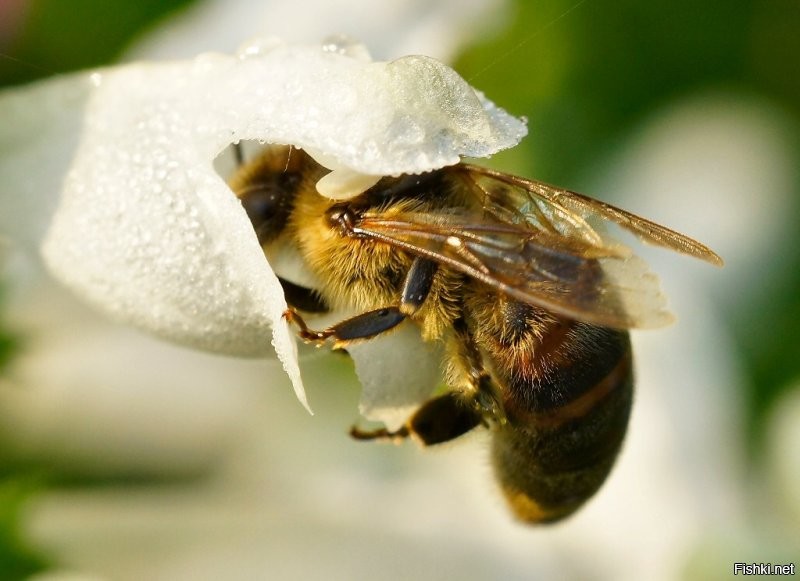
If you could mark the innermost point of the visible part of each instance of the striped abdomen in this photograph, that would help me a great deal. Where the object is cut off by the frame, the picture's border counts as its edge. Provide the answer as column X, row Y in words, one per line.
column 567, row 389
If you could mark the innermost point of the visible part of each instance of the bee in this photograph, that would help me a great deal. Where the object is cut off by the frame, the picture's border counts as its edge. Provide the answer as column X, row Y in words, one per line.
column 531, row 300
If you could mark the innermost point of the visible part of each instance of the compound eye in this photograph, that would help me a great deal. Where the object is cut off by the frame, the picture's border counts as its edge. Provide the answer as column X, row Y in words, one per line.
column 268, row 203
column 261, row 202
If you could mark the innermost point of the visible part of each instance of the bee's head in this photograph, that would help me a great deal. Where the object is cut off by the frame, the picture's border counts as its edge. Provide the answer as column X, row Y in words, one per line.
column 267, row 186
column 268, row 201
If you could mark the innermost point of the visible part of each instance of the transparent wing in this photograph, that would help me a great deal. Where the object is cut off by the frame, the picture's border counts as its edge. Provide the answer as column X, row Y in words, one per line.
column 535, row 243
column 567, row 275
column 518, row 200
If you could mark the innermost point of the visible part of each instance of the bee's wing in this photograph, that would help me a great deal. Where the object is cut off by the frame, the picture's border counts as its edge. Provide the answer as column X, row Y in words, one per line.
column 535, row 243
column 570, row 275
column 519, row 200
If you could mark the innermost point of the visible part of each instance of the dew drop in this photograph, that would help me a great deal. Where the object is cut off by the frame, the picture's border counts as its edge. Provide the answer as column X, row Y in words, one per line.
column 344, row 45
column 258, row 46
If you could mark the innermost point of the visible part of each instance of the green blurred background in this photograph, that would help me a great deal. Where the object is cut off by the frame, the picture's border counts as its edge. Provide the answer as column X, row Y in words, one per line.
column 584, row 73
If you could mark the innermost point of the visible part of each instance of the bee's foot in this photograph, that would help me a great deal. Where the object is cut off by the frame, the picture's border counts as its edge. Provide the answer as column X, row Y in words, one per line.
column 308, row 335
column 379, row 434
column 489, row 408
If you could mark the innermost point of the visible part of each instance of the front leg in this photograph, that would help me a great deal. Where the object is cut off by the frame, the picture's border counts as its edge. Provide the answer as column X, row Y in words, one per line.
column 416, row 287
column 363, row 326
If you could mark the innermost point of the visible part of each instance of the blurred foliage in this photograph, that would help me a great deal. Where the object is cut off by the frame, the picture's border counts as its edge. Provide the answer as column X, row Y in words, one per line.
column 55, row 36
column 17, row 560
column 585, row 73
column 769, row 340
column 8, row 345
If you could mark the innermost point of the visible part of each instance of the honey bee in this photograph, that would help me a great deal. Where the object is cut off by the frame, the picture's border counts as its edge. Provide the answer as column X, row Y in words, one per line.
column 532, row 302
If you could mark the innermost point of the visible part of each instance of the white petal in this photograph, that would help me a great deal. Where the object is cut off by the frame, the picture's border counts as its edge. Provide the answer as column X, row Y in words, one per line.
column 343, row 184
column 147, row 231
column 397, row 372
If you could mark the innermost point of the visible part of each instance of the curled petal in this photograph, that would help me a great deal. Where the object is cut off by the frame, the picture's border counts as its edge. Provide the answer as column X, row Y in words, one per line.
column 146, row 230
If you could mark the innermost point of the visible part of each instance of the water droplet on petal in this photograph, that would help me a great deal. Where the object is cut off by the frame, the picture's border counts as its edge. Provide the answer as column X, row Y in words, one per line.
column 258, row 46
column 344, row 45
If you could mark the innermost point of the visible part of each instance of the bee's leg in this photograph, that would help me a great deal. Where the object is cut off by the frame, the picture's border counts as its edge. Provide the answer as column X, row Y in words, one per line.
column 416, row 287
column 483, row 393
column 379, row 434
column 439, row 420
column 454, row 413
column 361, row 326
column 302, row 298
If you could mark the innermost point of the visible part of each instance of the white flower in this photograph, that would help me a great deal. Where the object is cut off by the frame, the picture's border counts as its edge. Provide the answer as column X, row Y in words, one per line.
column 146, row 229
